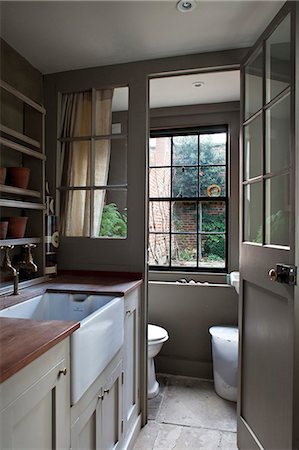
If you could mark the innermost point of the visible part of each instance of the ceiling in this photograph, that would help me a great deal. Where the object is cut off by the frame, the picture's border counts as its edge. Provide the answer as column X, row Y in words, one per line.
column 64, row 35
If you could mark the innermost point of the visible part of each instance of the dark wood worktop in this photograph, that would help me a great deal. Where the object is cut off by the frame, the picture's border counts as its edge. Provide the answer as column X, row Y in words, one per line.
column 113, row 283
column 23, row 340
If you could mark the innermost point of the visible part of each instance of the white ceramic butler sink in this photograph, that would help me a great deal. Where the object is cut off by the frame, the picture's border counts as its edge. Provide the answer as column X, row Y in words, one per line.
column 94, row 344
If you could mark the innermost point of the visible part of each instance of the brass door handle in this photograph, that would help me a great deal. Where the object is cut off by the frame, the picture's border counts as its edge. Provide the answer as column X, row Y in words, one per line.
column 272, row 274
column 62, row 371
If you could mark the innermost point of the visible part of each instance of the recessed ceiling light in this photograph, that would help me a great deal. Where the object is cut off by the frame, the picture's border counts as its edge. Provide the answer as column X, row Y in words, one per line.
column 198, row 84
column 186, row 5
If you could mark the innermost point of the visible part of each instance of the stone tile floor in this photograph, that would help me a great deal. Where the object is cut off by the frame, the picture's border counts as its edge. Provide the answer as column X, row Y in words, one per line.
column 188, row 414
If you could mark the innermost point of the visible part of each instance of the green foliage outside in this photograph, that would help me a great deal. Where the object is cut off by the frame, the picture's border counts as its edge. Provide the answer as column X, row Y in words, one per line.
column 114, row 224
column 185, row 184
column 185, row 152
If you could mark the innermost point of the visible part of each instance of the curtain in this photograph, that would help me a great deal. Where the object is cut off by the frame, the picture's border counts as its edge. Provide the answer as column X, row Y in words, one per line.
column 75, row 163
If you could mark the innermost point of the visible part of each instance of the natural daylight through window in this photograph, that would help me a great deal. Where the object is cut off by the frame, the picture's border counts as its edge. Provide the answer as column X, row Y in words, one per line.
column 188, row 199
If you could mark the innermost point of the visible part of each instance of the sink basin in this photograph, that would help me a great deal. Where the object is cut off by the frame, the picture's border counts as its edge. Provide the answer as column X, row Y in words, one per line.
column 235, row 280
column 94, row 344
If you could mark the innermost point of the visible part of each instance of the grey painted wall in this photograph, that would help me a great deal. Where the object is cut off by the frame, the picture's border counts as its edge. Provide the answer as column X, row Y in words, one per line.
column 129, row 254
column 19, row 73
column 187, row 312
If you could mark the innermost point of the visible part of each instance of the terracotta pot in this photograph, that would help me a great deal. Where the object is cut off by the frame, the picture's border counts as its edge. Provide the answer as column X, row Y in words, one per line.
column 16, row 227
column 3, row 229
column 2, row 175
column 18, row 176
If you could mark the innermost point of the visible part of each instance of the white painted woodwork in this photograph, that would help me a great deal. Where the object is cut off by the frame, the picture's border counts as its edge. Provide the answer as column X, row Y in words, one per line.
column 35, row 410
column 131, row 359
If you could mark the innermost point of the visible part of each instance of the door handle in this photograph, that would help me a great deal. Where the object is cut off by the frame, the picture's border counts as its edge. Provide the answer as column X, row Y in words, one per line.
column 272, row 274
column 284, row 273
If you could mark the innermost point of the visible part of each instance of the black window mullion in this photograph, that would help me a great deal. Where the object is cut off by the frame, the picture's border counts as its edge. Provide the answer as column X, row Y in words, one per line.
column 198, row 199
column 170, row 202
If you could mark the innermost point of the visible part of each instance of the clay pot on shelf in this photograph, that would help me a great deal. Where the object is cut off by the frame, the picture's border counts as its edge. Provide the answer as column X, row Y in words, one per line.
column 16, row 227
column 2, row 175
column 18, row 176
column 3, row 229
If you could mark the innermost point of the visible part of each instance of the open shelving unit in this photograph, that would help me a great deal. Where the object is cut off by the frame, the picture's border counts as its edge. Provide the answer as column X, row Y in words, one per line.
column 22, row 144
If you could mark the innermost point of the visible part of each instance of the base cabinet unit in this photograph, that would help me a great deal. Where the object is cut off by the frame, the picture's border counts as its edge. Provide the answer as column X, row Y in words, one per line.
column 131, row 351
column 106, row 415
column 35, row 412
column 97, row 417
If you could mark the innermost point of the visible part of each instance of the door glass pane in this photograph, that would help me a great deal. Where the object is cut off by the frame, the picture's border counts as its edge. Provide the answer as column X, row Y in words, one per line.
column 253, row 145
column 278, row 210
column 185, row 150
column 184, row 182
column 184, row 250
column 160, row 151
column 159, row 217
column 183, row 217
column 254, row 85
column 278, row 134
column 253, row 213
column 278, row 59
column 159, row 249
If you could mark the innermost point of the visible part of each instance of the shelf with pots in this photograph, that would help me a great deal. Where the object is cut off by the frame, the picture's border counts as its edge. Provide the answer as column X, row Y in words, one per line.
column 22, row 180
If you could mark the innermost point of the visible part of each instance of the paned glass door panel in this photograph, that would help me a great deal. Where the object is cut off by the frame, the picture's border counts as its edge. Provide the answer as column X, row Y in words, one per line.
column 278, row 135
column 253, row 213
column 277, row 210
column 278, row 59
column 254, row 85
column 253, row 148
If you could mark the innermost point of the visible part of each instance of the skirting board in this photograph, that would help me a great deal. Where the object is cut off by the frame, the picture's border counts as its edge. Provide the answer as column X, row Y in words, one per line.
column 132, row 435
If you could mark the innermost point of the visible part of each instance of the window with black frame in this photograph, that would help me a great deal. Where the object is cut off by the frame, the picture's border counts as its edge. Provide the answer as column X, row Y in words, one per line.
column 188, row 199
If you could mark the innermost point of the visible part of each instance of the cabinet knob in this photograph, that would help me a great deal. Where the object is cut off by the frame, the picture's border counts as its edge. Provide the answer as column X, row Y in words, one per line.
column 62, row 371
column 106, row 391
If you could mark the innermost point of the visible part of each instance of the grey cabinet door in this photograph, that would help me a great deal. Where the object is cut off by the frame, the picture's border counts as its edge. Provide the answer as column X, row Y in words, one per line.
column 39, row 418
column 266, row 317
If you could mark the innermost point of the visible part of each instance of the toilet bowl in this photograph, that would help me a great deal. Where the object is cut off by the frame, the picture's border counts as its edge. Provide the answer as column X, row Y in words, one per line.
column 156, row 337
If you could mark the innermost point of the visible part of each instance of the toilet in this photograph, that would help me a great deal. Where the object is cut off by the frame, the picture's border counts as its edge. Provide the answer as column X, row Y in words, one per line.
column 156, row 338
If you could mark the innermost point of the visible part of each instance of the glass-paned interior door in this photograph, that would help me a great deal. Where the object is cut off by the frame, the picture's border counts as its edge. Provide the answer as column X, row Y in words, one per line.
column 266, row 141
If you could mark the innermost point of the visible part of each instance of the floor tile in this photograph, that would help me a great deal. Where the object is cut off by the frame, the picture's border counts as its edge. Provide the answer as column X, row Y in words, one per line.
column 159, row 436
column 195, row 403
column 228, row 441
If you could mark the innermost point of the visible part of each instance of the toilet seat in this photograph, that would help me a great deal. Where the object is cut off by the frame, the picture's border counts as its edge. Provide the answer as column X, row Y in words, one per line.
column 156, row 334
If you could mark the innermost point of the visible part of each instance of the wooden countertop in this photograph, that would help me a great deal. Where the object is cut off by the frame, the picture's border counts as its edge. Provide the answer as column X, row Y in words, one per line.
column 113, row 283
column 23, row 340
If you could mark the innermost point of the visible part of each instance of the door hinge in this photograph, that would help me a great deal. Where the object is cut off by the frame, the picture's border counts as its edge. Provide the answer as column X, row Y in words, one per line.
column 122, row 377
column 122, row 426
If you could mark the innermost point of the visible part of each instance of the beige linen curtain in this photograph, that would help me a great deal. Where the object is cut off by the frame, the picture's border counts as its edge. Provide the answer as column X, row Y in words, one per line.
column 75, row 163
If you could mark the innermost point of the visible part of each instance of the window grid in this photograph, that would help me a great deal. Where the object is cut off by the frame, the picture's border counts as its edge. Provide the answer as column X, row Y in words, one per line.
column 198, row 199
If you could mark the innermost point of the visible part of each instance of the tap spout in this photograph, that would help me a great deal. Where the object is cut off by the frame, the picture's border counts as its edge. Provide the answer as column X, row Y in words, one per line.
column 8, row 267
column 27, row 262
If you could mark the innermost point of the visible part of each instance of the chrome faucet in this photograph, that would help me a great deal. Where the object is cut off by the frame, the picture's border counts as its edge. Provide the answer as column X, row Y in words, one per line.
column 27, row 261
column 8, row 267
